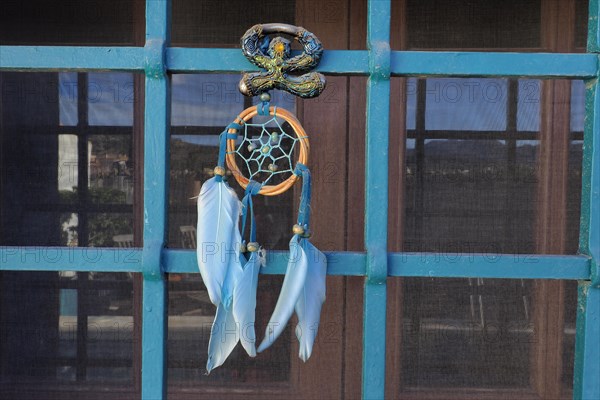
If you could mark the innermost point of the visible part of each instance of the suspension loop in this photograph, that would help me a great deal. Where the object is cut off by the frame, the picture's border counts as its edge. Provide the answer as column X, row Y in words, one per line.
column 301, row 140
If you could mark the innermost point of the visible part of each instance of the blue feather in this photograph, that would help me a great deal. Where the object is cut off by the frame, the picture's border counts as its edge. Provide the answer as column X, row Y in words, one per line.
column 217, row 234
column 293, row 283
column 244, row 303
column 310, row 301
column 225, row 333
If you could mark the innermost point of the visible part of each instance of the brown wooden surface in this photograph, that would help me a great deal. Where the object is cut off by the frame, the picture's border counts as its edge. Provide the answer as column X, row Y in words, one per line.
column 325, row 121
column 547, row 350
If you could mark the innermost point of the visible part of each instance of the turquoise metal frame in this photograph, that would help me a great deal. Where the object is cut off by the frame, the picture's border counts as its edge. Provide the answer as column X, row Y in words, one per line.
column 379, row 63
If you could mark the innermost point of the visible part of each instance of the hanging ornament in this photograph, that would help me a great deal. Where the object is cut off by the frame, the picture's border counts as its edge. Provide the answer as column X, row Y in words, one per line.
column 260, row 157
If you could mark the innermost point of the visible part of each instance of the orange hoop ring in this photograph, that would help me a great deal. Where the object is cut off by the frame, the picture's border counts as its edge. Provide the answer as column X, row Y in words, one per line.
column 245, row 116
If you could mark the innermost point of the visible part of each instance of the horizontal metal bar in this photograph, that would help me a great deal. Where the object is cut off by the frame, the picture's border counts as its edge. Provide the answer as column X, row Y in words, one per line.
column 179, row 59
column 347, row 62
column 469, row 265
column 405, row 63
column 338, row 263
column 71, row 58
column 83, row 259
column 541, row 65
column 448, row 265
column 442, row 265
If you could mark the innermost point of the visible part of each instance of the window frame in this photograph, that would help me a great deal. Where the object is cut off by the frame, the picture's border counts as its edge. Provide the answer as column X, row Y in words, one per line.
column 379, row 63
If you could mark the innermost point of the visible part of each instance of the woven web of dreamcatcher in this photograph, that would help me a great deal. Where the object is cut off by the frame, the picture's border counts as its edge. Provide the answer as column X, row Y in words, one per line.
column 265, row 154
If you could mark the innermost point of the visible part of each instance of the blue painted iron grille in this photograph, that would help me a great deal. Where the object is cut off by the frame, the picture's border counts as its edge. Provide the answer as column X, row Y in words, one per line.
column 156, row 58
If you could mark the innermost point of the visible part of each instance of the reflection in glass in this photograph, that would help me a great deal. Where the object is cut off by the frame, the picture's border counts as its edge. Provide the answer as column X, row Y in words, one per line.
column 467, row 332
column 68, row 167
column 465, row 104
column 528, row 106
column 110, row 230
column 205, row 100
column 66, row 327
column 68, row 98
column 577, row 105
column 110, row 99
column 110, row 170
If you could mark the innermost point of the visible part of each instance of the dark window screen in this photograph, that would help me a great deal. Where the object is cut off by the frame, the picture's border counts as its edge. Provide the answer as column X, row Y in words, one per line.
column 473, row 24
column 71, row 22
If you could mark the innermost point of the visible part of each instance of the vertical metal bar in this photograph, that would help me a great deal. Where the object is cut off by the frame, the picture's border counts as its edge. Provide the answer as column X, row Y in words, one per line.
column 376, row 199
column 589, row 234
column 586, row 383
column 156, row 150
column 593, row 42
column 587, row 347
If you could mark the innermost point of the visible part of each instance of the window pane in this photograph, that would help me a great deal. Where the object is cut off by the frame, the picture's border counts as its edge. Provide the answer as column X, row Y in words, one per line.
column 478, row 192
column 66, row 328
column 90, row 22
column 57, row 168
column 473, row 24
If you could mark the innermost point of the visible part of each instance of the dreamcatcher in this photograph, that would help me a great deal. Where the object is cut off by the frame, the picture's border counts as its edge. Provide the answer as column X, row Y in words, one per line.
column 261, row 158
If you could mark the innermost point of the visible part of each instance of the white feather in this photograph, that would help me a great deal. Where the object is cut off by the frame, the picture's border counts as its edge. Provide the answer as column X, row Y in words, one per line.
column 311, row 299
column 225, row 331
column 244, row 303
column 218, row 244
column 224, row 335
column 295, row 275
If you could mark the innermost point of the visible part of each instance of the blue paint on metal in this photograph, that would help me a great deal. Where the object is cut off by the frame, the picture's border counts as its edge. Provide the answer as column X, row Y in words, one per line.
column 586, row 376
column 593, row 42
column 338, row 263
column 353, row 62
column 470, row 265
column 154, row 339
column 376, row 199
column 517, row 266
column 156, row 167
column 542, row 65
column 589, row 235
column 63, row 58
column 154, row 58
column 586, row 384
column 346, row 62
column 92, row 259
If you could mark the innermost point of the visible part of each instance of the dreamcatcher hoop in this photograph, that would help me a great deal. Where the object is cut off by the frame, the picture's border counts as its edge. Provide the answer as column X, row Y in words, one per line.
column 300, row 133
